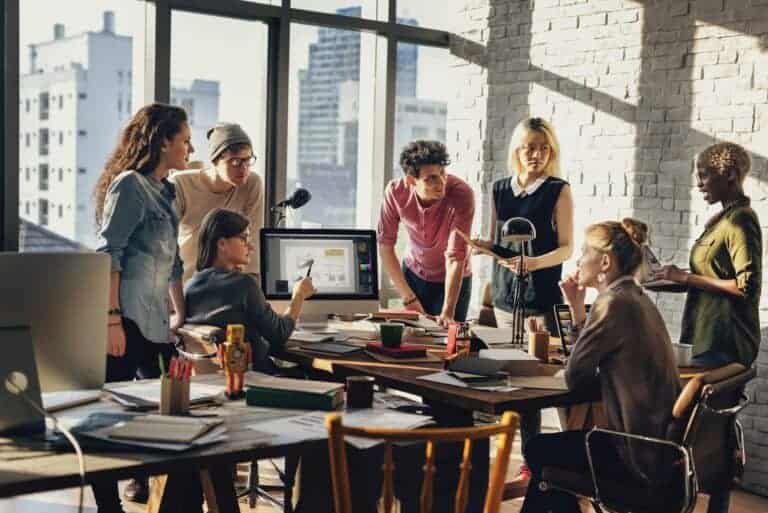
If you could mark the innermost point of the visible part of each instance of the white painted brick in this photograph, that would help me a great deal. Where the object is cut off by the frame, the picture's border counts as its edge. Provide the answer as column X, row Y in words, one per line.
column 591, row 20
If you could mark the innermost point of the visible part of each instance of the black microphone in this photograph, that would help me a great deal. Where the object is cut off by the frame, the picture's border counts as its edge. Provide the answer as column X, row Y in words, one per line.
column 298, row 199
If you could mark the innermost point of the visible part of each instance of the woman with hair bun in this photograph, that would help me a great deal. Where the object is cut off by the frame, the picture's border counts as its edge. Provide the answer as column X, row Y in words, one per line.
column 622, row 346
column 721, row 315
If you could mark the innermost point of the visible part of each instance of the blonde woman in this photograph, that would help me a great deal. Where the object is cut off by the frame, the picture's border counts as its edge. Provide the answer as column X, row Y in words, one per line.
column 721, row 316
column 624, row 347
column 533, row 191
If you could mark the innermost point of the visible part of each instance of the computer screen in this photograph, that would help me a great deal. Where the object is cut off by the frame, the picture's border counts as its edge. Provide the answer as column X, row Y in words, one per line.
column 62, row 299
column 344, row 263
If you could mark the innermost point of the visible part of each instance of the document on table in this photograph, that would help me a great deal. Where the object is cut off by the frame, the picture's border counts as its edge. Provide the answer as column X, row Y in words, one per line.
column 452, row 378
column 149, row 392
column 493, row 336
column 311, row 426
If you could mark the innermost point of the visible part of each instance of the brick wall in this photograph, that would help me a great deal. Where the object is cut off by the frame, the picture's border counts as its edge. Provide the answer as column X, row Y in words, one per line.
column 634, row 90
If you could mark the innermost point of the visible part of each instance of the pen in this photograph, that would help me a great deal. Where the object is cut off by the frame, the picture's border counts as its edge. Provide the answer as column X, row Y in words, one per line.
column 309, row 269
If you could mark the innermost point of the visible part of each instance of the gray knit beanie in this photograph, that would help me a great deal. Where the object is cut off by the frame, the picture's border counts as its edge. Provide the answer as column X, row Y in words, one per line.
column 224, row 135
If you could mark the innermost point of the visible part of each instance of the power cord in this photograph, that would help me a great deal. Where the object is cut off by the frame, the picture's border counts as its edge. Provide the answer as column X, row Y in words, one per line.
column 16, row 383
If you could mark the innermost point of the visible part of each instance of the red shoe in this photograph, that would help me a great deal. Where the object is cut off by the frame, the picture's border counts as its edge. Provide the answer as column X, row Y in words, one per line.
column 519, row 485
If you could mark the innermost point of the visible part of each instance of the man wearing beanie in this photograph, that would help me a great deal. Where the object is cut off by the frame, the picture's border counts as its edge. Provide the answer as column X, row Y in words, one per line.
column 229, row 183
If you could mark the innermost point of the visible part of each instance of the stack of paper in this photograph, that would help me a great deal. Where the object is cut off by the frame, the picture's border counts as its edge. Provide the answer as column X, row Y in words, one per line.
column 311, row 426
column 147, row 393
column 493, row 336
column 513, row 361
column 162, row 432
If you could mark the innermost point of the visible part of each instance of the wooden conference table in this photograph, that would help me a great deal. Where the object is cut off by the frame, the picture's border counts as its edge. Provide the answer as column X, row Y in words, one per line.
column 33, row 466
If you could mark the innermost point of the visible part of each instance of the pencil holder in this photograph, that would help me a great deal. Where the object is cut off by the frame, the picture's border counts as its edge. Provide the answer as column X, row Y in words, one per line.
column 538, row 345
column 174, row 396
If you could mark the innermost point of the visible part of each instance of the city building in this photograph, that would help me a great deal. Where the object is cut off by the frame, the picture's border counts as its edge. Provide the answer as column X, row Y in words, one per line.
column 329, row 121
column 74, row 99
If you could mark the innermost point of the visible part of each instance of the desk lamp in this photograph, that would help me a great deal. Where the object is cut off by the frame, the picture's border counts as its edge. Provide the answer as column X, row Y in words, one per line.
column 522, row 231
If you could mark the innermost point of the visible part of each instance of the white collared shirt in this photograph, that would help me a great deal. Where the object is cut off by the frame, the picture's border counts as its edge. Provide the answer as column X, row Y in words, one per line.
column 518, row 190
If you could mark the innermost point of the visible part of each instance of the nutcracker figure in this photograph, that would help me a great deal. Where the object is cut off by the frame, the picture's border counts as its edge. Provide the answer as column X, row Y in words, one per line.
column 235, row 355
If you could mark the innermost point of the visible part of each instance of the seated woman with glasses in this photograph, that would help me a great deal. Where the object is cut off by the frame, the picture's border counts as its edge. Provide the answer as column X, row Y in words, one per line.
column 219, row 293
column 623, row 347
column 229, row 183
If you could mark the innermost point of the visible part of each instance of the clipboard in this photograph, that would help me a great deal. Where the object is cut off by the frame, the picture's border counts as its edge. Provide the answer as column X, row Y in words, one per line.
column 476, row 247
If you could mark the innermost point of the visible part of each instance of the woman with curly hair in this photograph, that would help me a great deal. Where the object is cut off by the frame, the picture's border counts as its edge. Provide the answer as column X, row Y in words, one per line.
column 720, row 318
column 435, row 277
column 138, row 228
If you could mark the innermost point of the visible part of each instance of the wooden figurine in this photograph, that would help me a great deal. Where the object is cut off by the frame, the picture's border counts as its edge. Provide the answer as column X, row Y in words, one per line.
column 235, row 355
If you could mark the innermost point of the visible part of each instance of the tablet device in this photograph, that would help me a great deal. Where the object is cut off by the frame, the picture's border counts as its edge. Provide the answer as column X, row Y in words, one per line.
column 564, row 323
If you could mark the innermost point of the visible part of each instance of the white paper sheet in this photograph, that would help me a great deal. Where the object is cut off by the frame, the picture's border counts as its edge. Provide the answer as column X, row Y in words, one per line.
column 311, row 426
column 149, row 392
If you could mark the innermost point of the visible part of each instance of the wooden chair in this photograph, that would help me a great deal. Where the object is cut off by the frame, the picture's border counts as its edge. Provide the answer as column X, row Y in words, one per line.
column 340, row 473
column 703, row 441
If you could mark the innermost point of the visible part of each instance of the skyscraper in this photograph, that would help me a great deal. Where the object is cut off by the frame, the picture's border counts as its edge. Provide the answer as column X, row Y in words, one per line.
column 74, row 100
column 329, row 120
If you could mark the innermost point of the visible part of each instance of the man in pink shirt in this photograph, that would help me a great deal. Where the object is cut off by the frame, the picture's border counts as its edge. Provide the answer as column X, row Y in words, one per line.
column 435, row 277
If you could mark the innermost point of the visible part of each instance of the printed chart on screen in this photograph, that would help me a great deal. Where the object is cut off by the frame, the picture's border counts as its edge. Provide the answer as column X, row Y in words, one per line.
column 333, row 267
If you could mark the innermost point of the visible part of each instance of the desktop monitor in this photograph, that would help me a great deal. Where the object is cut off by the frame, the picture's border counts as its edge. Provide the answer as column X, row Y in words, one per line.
column 63, row 299
column 344, row 269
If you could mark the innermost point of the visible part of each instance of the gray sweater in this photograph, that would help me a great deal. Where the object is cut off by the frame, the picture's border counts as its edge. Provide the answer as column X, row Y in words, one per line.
column 626, row 347
column 219, row 297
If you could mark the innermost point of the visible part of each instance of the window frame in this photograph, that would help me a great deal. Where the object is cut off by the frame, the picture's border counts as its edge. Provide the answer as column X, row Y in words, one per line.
column 157, row 85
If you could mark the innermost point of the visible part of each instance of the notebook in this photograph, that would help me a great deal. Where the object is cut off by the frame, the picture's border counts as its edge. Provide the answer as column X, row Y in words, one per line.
column 163, row 428
column 330, row 348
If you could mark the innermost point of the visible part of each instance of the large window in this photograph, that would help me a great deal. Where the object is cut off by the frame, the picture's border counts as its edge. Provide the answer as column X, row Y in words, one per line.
column 423, row 95
column 321, row 122
column 75, row 65
column 448, row 16
column 214, row 83
column 355, row 8
column 330, row 113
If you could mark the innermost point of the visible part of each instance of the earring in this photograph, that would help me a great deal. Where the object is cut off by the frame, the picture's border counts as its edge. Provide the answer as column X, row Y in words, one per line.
column 600, row 277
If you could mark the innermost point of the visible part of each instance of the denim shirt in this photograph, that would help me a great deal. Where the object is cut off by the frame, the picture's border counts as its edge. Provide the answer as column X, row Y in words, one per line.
column 139, row 231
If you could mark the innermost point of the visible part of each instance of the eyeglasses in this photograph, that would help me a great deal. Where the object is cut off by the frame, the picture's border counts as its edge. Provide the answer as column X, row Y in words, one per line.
column 242, row 162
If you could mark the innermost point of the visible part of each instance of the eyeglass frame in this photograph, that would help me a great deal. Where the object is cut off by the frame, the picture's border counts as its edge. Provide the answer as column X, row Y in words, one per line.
column 250, row 161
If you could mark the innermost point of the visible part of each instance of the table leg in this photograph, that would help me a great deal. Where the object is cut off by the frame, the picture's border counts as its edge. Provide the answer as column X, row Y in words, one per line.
column 178, row 492
column 449, row 456
column 221, row 487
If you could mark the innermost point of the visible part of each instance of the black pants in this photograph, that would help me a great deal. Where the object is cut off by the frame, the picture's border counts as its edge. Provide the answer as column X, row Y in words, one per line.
column 432, row 294
column 564, row 450
column 141, row 360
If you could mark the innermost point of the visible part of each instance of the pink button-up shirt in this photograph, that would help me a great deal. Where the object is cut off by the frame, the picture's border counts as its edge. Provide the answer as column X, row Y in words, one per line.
column 430, row 229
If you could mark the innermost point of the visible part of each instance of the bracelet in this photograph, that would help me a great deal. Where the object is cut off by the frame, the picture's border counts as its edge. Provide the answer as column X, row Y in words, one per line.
column 409, row 301
column 115, row 311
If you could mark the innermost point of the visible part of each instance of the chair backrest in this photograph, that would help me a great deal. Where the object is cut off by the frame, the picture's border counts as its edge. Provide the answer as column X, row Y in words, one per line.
column 198, row 343
column 704, row 421
column 340, row 473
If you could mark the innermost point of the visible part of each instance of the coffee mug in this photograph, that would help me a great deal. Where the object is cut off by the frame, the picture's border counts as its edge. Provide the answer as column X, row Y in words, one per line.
column 391, row 334
column 360, row 391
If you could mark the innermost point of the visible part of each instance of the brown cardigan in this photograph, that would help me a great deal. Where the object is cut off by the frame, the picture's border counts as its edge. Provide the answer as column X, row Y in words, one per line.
column 625, row 345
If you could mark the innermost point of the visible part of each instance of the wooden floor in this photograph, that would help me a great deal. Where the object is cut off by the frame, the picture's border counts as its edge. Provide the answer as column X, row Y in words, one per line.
column 65, row 501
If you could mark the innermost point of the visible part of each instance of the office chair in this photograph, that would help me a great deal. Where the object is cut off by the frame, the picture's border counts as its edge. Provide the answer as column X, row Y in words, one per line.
column 704, row 444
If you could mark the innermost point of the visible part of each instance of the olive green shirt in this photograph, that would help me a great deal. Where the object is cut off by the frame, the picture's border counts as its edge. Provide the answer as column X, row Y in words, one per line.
column 730, row 248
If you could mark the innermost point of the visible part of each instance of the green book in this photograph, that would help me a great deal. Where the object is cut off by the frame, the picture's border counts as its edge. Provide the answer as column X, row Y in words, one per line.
column 293, row 399
column 295, row 394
